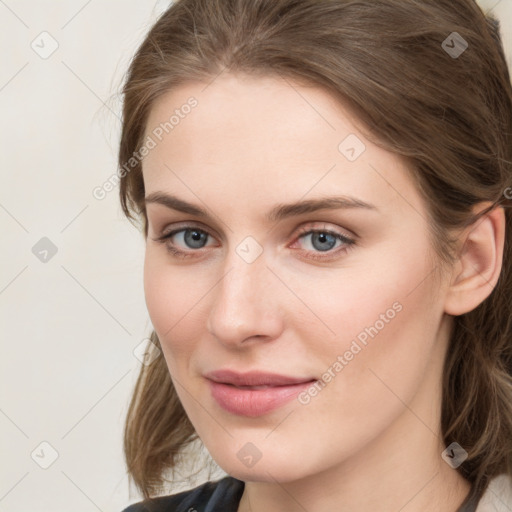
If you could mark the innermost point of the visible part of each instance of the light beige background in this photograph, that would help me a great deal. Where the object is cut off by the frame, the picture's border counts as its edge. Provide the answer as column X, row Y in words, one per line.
column 70, row 325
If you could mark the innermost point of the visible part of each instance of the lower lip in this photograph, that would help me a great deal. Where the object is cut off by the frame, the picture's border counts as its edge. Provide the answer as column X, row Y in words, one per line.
column 254, row 402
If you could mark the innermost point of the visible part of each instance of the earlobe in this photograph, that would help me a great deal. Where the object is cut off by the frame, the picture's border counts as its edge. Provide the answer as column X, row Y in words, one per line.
column 479, row 264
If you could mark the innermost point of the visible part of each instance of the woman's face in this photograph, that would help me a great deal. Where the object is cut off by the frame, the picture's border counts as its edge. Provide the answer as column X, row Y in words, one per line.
column 341, row 295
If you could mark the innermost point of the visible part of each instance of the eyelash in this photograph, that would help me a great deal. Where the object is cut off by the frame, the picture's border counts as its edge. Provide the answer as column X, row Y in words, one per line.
column 349, row 242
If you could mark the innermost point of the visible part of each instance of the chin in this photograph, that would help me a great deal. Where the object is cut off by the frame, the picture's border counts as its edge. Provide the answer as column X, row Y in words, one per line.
column 270, row 469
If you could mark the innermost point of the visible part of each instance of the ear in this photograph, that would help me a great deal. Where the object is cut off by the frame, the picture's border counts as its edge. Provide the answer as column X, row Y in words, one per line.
column 478, row 266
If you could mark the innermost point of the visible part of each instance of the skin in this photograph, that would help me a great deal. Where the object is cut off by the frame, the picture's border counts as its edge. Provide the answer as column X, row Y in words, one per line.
column 370, row 440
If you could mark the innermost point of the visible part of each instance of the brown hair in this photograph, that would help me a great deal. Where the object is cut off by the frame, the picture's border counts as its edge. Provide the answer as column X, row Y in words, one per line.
column 449, row 115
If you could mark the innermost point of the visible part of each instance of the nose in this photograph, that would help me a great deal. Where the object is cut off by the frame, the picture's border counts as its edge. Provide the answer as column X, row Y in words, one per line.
column 245, row 304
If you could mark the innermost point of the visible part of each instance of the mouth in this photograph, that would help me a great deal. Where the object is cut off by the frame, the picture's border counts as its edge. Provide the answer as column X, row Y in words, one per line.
column 254, row 388
column 254, row 394
column 255, row 379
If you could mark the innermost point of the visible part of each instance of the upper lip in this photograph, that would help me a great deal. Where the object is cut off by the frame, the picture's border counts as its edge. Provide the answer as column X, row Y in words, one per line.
column 254, row 378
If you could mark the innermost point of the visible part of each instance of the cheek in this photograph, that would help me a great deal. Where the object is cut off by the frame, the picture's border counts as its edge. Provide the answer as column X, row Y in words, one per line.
column 160, row 293
column 173, row 299
column 384, row 316
column 388, row 330
column 353, row 298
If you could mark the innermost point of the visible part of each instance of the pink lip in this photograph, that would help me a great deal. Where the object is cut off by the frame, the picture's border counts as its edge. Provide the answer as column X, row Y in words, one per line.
column 235, row 392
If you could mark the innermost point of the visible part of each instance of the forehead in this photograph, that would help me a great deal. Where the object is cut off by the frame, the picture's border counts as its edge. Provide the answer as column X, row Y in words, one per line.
column 264, row 137
column 249, row 107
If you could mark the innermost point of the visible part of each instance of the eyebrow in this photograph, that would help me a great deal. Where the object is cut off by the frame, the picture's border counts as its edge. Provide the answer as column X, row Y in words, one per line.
column 279, row 212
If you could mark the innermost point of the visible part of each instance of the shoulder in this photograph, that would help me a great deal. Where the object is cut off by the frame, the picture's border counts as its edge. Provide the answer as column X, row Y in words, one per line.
column 498, row 495
column 223, row 495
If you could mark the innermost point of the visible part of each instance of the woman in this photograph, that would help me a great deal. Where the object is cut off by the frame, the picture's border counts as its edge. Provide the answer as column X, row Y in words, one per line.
column 324, row 190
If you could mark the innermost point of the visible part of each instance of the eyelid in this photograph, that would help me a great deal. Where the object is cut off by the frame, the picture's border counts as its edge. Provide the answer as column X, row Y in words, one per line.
column 312, row 226
column 166, row 234
column 309, row 226
column 348, row 239
column 182, row 226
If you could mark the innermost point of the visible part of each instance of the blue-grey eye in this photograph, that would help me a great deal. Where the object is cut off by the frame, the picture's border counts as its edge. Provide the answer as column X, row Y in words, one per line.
column 193, row 238
column 322, row 241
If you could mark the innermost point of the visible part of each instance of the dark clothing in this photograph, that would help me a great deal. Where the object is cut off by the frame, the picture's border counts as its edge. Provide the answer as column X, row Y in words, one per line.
column 221, row 496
